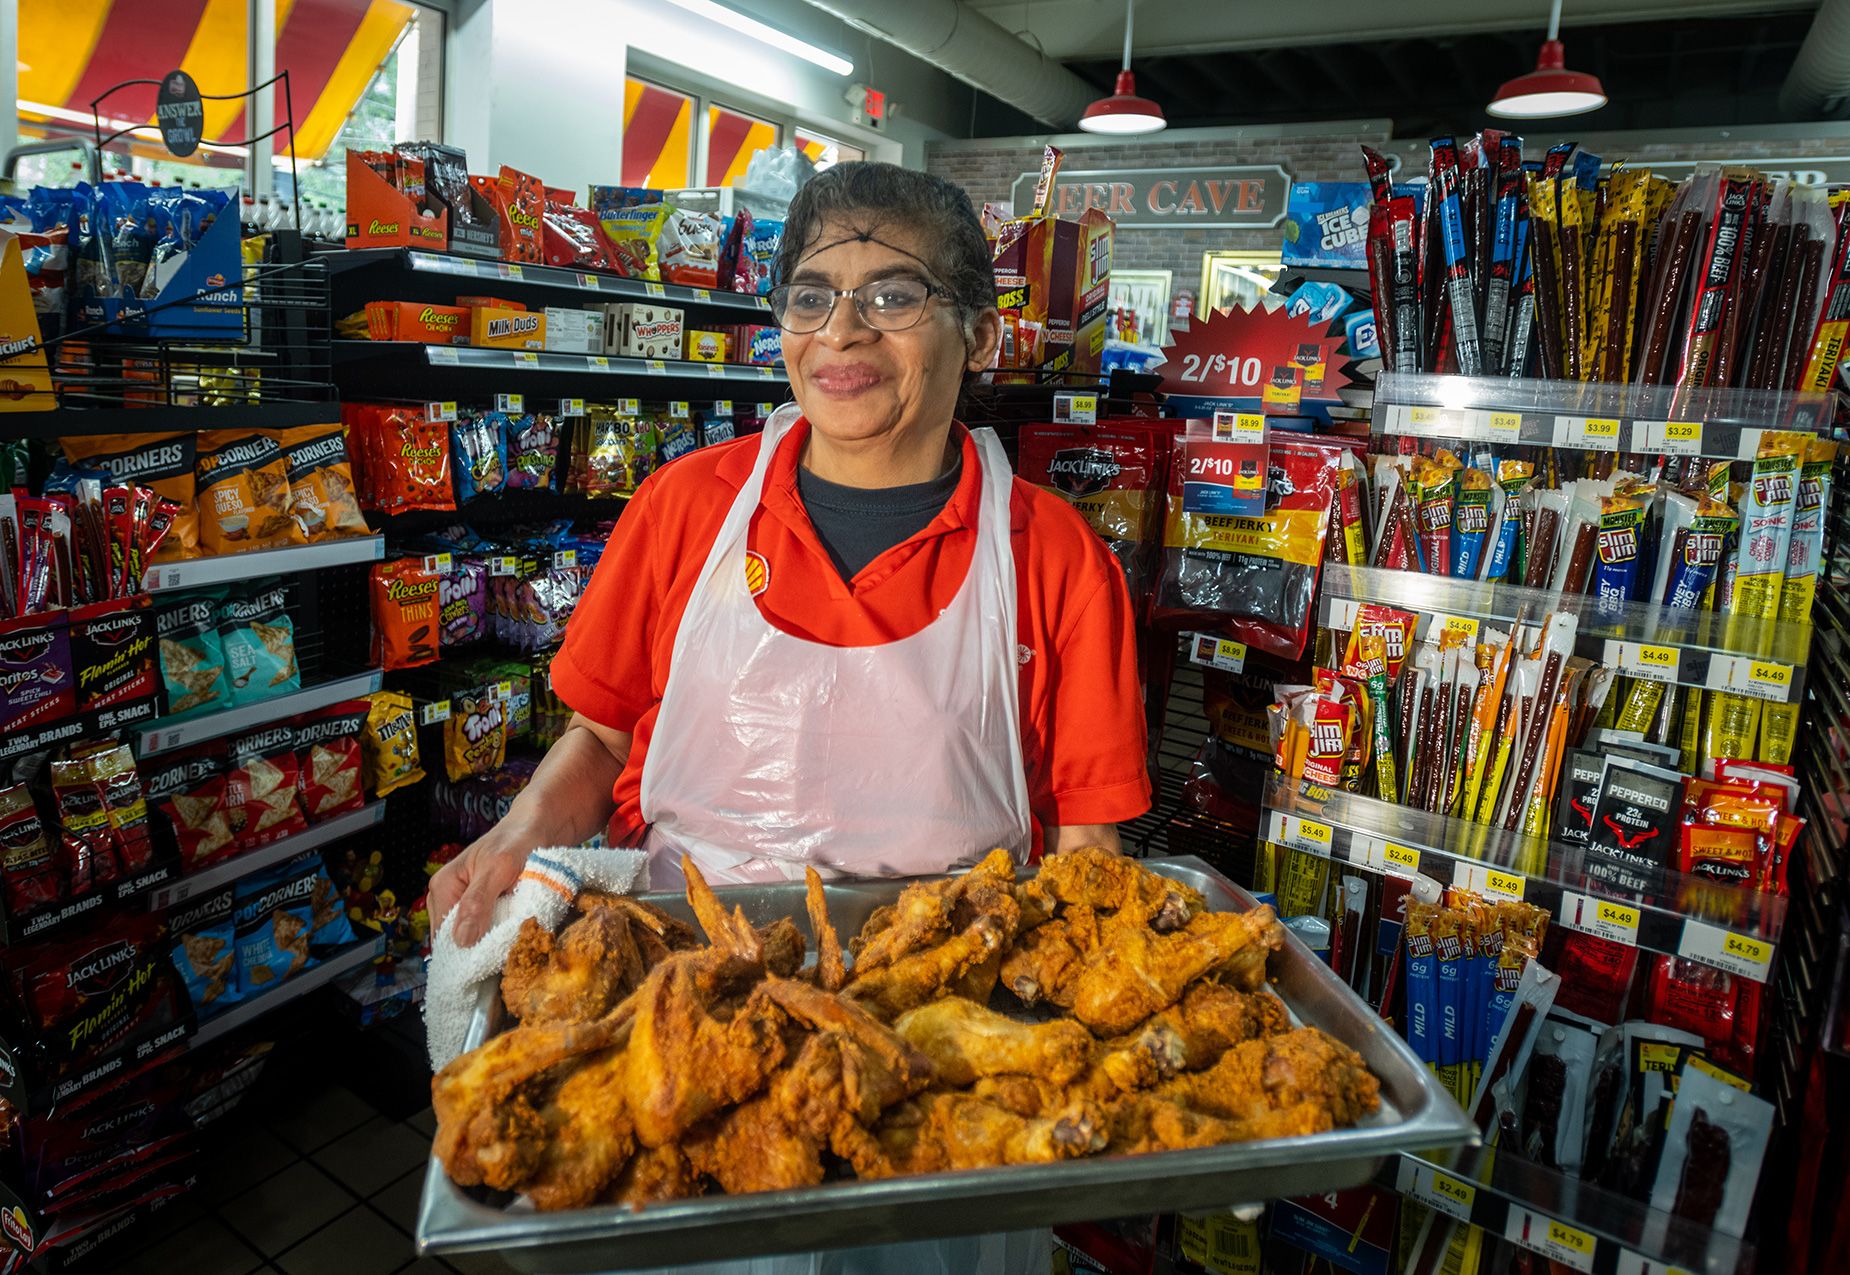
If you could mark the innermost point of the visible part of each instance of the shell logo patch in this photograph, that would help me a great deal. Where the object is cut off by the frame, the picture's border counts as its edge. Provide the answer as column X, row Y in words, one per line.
column 757, row 572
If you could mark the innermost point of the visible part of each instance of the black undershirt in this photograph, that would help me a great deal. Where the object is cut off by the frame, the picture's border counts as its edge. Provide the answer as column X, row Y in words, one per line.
column 858, row 524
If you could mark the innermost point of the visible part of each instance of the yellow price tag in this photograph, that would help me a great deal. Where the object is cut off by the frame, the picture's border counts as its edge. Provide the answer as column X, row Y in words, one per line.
column 600, row 363
column 1460, row 1193
column 1459, row 624
column 511, row 271
column 588, row 281
column 1602, row 427
column 655, row 367
column 1508, row 885
column 654, row 290
column 1657, row 656
column 1615, row 921
column 504, row 690
column 1754, row 951
column 702, row 294
column 1683, row 438
column 1404, row 857
column 1310, row 833
column 1569, row 1238
column 1509, row 423
column 1762, row 673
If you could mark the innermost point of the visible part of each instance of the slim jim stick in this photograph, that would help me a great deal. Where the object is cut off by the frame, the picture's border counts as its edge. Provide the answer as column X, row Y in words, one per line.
column 1716, row 282
column 1771, row 300
column 1557, row 641
column 1755, row 247
column 1618, row 324
column 1542, row 224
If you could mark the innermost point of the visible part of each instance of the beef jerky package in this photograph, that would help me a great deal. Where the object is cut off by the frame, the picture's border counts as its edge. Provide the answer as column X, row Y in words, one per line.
column 1253, row 578
column 273, row 919
column 264, row 778
column 113, row 647
column 1596, row 974
column 205, row 950
column 321, row 493
column 405, row 613
column 1582, row 774
column 28, row 859
column 1635, row 829
column 37, row 687
column 1629, row 1083
column 1555, row 1094
column 164, row 463
column 125, row 803
column 86, row 847
column 258, row 638
column 192, row 656
column 1712, row 1150
column 327, row 746
column 188, row 787
column 91, row 994
column 244, row 503
column 1113, row 475
column 1721, row 1009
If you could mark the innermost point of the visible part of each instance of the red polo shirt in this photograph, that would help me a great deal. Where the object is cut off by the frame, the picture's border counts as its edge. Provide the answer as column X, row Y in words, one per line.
column 1082, row 721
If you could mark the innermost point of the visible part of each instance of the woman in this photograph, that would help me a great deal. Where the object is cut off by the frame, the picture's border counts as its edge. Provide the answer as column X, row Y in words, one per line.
column 853, row 641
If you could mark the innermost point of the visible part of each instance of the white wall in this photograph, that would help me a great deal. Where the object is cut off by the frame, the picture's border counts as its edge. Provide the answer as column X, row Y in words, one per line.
column 538, row 84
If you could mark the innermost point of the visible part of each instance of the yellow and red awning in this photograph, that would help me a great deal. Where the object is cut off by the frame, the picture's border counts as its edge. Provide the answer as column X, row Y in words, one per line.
column 72, row 51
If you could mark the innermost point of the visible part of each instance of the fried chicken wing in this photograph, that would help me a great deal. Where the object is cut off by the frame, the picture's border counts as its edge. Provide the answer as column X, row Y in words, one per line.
column 573, row 977
column 1045, row 963
column 691, row 1056
column 775, row 1141
column 915, row 979
column 1107, row 881
column 831, row 974
column 591, row 1134
column 1137, row 972
column 657, row 933
column 939, row 1131
column 928, row 912
column 1277, row 1073
column 965, row 1040
column 653, row 1175
column 783, row 946
column 1140, row 1123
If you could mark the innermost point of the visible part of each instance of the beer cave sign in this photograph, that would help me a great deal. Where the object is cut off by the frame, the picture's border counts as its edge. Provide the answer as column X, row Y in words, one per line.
column 1241, row 196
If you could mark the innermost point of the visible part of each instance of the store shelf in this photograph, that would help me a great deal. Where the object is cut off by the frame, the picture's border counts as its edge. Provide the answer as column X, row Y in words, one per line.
column 44, row 925
column 417, row 354
column 1570, row 1222
column 1765, row 659
column 69, row 422
column 235, row 869
column 548, row 278
column 1659, row 419
column 84, row 725
column 302, row 984
column 1733, row 930
column 227, row 568
column 163, row 736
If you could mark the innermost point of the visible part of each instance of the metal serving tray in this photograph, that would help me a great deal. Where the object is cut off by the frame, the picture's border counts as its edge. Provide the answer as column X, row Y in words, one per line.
column 1416, row 1115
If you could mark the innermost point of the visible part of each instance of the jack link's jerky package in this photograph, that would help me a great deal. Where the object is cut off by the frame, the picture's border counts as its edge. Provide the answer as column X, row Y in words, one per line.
column 1113, row 475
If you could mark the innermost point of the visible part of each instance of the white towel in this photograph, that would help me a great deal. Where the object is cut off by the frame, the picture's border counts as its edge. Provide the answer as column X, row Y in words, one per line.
column 551, row 880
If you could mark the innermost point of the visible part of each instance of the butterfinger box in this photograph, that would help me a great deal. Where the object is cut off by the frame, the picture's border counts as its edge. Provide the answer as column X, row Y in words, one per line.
column 643, row 330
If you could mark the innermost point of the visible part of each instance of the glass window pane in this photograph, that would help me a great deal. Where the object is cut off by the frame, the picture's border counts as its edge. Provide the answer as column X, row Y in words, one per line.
column 657, row 135
column 733, row 137
column 824, row 152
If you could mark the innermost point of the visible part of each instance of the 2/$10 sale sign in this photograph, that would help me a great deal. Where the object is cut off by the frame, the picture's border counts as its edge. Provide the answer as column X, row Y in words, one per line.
column 1250, row 196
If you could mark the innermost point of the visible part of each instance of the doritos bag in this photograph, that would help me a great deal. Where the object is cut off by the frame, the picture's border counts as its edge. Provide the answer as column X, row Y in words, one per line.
column 162, row 462
column 244, row 502
column 321, row 494
column 264, row 779
column 327, row 746
column 390, row 744
column 259, row 642
column 189, row 788
column 1113, row 475
column 405, row 614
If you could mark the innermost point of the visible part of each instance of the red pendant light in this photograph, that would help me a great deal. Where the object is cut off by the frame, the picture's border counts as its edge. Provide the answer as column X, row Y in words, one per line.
column 1550, row 89
column 1124, row 113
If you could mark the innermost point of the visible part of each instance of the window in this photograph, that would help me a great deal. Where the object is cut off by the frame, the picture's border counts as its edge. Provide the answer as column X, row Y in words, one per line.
column 733, row 137
column 826, row 152
column 658, row 140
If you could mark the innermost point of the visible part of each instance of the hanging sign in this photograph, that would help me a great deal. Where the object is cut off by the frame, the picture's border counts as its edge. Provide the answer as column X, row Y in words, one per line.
column 1245, row 195
column 1244, row 360
column 180, row 114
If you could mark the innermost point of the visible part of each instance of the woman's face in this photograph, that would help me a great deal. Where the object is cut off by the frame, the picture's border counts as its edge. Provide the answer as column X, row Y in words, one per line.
column 858, row 384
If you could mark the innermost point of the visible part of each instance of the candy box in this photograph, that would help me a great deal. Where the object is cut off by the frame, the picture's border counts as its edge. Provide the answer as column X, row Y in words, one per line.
column 496, row 327
column 415, row 321
column 1057, row 273
column 763, row 346
column 572, row 331
column 643, row 330
column 379, row 215
column 1326, row 225
column 474, row 228
column 705, row 346
column 36, row 682
column 519, row 202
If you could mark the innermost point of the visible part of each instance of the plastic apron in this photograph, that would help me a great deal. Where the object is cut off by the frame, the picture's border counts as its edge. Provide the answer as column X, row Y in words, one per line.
column 771, row 752
column 901, row 759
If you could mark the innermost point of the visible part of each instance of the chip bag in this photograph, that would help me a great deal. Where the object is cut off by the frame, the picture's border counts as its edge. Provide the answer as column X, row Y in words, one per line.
column 274, row 920
column 475, row 736
column 405, row 614
column 205, row 950
column 478, row 442
column 189, row 789
column 192, row 656
column 243, row 489
column 264, row 779
column 390, row 744
column 532, row 451
column 321, row 494
column 327, row 746
column 259, row 643
column 27, row 854
column 164, row 463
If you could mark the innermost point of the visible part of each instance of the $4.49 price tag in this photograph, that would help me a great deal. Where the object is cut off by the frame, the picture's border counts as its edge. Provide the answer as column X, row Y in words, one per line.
column 1603, row 918
column 1640, row 659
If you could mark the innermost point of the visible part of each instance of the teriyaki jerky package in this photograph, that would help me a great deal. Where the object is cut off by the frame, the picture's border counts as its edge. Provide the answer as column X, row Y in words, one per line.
column 1712, row 1150
column 1113, row 475
column 1251, row 577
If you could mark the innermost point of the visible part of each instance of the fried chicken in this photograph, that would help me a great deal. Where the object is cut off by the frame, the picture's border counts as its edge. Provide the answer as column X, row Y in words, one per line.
column 831, row 974
column 964, row 1040
column 1137, row 972
column 656, row 933
column 928, row 912
column 1101, row 879
column 939, row 1131
column 1045, row 962
column 1277, row 1073
column 1211, row 1018
column 576, row 976
column 655, row 1174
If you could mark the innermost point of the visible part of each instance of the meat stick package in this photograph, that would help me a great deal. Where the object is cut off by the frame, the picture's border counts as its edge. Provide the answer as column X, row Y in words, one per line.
column 1112, row 474
column 1554, row 1107
column 1251, row 577
column 1712, row 1151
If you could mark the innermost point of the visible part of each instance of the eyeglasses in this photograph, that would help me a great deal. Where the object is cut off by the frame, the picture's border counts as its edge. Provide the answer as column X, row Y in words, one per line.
column 886, row 305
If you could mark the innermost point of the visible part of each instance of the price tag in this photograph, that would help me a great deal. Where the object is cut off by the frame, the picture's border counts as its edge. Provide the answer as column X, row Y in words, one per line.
column 598, row 363
column 1639, row 659
column 1600, row 433
column 526, row 360
column 432, row 713
column 629, row 407
column 654, row 290
column 1631, row 1263
column 502, row 690
column 1774, row 681
column 677, row 411
column 589, row 281
column 1239, row 427
column 504, row 566
column 1437, row 1190
column 1504, row 427
column 1400, row 858
column 1075, row 409
column 1308, row 835
column 571, row 407
column 723, row 406
column 767, row 374
column 161, row 740
column 512, row 404
column 440, row 356
column 1497, row 884
column 765, row 409
column 655, row 367
column 1221, row 653
column 1679, row 438
column 717, row 371
column 1435, row 422
column 1725, row 950
column 437, row 563
column 565, row 558
column 440, row 411
column 510, row 270
column 703, row 294
column 1456, row 624
column 1609, row 920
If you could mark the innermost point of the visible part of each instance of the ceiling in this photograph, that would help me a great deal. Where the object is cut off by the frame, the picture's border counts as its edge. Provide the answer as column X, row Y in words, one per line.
column 1722, row 70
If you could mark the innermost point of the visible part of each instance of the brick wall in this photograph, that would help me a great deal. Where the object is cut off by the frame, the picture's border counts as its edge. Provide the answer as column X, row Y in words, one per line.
column 987, row 169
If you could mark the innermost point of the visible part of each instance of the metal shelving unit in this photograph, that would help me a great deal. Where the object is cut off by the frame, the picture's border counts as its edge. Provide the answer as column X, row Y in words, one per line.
column 330, row 968
column 163, row 736
column 243, row 865
column 228, row 568
column 518, row 277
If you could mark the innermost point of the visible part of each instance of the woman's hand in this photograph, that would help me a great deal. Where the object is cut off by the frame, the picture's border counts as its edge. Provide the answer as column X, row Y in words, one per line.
column 567, row 802
column 1078, row 836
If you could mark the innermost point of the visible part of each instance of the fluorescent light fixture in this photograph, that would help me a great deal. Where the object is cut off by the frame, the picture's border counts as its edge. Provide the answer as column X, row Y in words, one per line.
column 758, row 31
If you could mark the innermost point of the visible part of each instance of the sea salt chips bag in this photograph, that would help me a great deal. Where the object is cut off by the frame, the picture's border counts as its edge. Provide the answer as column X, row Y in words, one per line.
column 259, row 643
column 242, row 477
column 405, row 605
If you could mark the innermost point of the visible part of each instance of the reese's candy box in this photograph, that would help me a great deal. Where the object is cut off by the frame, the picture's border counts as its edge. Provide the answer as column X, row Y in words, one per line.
column 244, row 502
column 417, row 321
column 405, row 613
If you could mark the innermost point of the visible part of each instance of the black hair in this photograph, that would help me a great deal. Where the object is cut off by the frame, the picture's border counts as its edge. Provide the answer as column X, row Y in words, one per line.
column 886, row 194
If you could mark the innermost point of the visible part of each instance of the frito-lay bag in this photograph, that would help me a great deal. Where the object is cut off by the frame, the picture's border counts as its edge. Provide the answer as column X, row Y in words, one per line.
column 243, row 482
column 390, row 744
column 258, row 638
column 164, row 463
column 321, row 494
column 1113, row 475
column 327, row 746
column 1251, row 577
column 405, row 613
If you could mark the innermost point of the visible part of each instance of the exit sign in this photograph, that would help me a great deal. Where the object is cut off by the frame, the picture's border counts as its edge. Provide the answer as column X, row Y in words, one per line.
column 875, row 106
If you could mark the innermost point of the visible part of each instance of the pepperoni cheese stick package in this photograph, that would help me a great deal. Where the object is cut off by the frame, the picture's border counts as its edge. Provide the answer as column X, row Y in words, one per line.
column 1713, row 1149
column 1460, row 297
